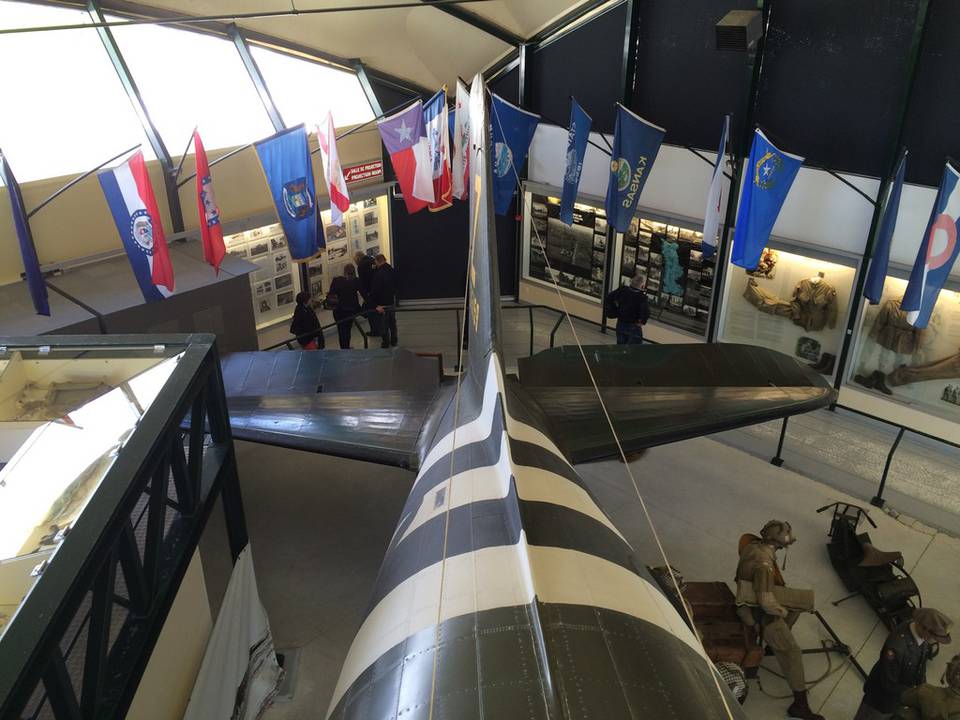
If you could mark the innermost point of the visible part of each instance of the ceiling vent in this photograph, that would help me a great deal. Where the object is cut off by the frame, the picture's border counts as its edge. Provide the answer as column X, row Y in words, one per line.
column 739, row 30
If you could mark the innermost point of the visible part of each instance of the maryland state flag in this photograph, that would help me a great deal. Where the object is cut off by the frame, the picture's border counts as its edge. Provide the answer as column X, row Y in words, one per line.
column 211, row 232
column 436, row 123
column 134, row 208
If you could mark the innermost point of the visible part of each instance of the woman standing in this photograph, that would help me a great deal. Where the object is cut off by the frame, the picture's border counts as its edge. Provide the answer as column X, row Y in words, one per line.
column 346, row 292
column 305, row 324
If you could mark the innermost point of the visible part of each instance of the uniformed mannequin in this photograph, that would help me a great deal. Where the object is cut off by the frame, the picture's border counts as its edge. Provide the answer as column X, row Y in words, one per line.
column 757, row 575
column 928, row 702
column 903, row 663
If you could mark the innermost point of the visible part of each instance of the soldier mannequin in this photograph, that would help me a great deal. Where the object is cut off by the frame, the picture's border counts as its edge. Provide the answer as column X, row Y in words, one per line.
column 903, row 663
column 927, row 702
column 757, row 575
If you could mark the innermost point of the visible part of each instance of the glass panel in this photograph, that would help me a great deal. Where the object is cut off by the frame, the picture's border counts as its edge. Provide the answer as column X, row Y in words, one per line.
column 200, row 82
column 71, row 112
column 63, row 422
column 917, row 367
column 305, row 91
column 791, row 303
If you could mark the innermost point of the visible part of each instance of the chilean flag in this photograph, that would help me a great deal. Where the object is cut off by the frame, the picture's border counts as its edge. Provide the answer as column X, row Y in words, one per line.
column 339, row 199
column 435, row 120
column 461, row 143
column 134, row 208
column 405, row 138
column 211, row 232
column 937, row 254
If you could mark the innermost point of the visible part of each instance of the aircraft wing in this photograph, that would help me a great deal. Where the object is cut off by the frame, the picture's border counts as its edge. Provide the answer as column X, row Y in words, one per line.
column 371, row 405
column 662, row 394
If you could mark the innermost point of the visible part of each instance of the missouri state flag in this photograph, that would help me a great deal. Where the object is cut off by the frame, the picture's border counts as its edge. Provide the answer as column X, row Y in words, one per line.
column 405, row 138
column 938, row 252
column 330, row 159
column 285, row 158
column 437, row 126
column 513, row 130
column 769, row 173
column 211, row 232
column 134, row 208
column 636, row 143
column 28, row 251
column 461, row 143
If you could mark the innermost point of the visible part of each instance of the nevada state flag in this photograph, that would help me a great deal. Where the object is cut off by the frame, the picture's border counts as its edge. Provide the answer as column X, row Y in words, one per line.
column 134, row 208
column 405, row 138
column 437, row 126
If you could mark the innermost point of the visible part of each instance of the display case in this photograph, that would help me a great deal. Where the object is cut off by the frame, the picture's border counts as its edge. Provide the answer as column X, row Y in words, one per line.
column 795, row 301
column 919, row 368
column 669, row 257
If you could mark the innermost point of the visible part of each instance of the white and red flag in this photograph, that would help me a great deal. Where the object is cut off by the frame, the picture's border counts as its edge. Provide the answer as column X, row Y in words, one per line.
column 437, row 124
column 461, row 143
column 336, row 185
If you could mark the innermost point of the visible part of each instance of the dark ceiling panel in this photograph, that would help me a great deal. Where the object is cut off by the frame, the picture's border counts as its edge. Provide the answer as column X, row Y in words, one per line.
column 833, row 79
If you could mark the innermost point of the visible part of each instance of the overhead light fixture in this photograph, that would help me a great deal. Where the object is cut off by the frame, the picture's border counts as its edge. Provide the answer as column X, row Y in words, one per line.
column 739, row 30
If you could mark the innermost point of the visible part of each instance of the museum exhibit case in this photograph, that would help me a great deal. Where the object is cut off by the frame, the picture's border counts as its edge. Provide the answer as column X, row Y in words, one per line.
column 795, row 301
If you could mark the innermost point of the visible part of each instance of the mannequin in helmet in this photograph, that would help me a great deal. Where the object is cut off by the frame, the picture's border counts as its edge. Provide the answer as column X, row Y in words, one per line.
column 928, row 702
column 757, row 606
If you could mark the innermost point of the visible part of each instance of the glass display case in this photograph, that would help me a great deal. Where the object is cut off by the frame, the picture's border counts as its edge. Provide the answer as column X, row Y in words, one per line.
column 794, row 301
column 64, row 417
column 677, row 278
column 917, row 367
column 577, row 253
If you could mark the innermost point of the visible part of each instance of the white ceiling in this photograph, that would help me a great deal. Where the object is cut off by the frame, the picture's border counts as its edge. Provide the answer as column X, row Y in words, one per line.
column 424, row 45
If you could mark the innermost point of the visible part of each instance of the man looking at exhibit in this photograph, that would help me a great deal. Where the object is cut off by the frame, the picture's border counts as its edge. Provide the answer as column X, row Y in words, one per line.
column 766, row 604
column 628, row 304
column 385, row 300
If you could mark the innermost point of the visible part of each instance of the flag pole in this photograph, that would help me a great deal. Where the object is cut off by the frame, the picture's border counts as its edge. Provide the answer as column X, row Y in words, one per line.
column 183, row 156
column 77, row 179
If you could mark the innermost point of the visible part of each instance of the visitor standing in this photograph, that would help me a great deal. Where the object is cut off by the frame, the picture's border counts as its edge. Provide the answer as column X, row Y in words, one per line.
column 305, row 325
column 345, row 296
column 384, row 294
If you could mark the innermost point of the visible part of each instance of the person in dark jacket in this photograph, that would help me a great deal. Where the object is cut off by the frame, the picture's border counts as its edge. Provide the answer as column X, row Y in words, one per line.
column 305, row 324
column 346, row 290
column 628, row 304
column 384, row 294
column 903, row 663
column 365, row 271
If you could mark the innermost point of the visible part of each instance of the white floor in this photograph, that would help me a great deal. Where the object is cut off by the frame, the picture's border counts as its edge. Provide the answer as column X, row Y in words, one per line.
column 319, row 527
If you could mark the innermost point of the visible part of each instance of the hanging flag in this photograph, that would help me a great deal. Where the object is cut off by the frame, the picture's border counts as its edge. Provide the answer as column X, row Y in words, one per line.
column 211, row 232
column 577, row 137
column 405, row 138
column 873, row 290
column 636, row 143
column 134, row 208
column 436, row 124
column 513, row 130
column 28, row 251
column 937, row 252
column 285, row 158
column 711, row 218
column 461, row 143
column 769, row 174
column 330, row 159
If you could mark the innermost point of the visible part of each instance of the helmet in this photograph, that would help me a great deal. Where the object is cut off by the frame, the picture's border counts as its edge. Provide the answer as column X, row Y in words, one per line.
column 951, row 676
column 778, row 533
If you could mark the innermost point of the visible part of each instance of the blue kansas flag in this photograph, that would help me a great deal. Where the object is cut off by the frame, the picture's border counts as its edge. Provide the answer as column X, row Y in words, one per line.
column 769, row 174
column 28, row 251
column 873, row 290
column 513, row 130
column 577, row 137
column 286, row 163
column 635, row 146
column 937, row 253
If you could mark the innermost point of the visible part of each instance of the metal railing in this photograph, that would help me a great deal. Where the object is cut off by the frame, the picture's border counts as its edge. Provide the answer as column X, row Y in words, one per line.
column 80, row 641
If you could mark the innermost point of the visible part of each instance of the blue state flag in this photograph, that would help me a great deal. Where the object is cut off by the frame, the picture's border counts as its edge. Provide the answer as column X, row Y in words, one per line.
column 769, row 174
column 937, row 252
column 28, row 251
column 513, row 130
column 636, row 143
column 577, row 137
column 873, row 289
column 286, row 163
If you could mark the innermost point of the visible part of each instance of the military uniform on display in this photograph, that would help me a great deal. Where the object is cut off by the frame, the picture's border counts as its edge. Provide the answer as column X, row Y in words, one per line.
column 928, row 702
column 764, row 600
column 903, row 663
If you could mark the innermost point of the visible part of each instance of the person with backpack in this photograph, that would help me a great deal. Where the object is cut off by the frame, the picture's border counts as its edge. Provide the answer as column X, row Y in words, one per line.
column 628, row 305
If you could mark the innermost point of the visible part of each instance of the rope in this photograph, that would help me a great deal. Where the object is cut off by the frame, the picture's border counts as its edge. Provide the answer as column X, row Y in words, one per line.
column 616, row 439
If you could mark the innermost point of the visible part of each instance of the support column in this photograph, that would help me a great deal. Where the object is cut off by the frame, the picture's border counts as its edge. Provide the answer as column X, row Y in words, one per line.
column 367, row 88
column 525, row 100
column 149, row 129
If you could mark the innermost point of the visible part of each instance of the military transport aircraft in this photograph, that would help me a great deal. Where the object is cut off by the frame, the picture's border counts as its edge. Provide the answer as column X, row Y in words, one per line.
column 506, row 591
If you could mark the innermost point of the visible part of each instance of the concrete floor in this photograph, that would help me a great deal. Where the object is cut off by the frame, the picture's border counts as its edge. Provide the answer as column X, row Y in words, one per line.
column 319, row 527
